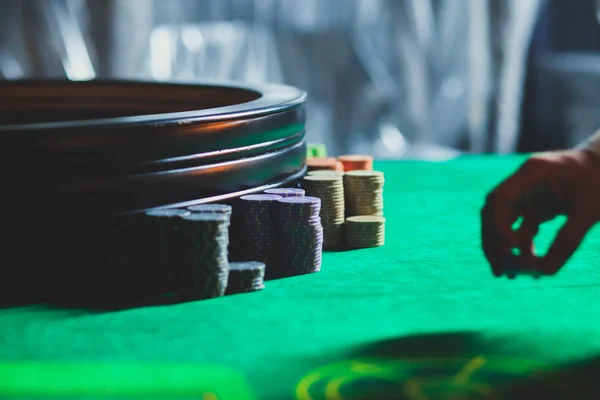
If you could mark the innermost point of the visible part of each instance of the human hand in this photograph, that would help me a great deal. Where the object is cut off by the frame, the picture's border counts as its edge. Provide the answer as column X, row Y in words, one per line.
column 545, row 186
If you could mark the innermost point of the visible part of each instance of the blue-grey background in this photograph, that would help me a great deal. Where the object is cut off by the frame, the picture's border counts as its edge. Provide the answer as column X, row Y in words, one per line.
column 395, row 78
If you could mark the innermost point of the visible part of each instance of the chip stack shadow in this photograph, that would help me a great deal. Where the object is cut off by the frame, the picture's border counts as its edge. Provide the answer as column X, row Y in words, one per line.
column 299, row 235
column 202, row 254
column 258, row 220
column 364, row 193
column 330, row 189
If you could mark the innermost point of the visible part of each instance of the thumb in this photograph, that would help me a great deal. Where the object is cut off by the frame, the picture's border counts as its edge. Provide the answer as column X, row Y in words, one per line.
column 567, row 241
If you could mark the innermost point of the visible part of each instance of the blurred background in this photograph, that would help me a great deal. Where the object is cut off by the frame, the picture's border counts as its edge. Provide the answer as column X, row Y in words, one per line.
column 426, row 79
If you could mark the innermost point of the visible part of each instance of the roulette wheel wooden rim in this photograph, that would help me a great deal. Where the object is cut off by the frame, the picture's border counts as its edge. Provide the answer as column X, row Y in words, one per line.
column 84, row 152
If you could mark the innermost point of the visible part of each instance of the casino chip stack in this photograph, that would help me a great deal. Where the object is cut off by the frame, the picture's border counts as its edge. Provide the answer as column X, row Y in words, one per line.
column 259, row 238
column 324, row 163
column 316, row 150
column 330, row 189
column 325, row 172
column 299, row 235
column 364, row 193
column 245, row 277
column 203, row 266
column 356, row 162
column 163, row 228
column 365, row 231
column 211, row 209
column 286, row 192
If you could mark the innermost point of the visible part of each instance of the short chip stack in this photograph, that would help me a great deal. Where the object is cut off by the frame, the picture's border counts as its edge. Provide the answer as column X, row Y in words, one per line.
column 364, row 193
column 356, row 162
column 245, row 277
column 163, row 227
column 324, row 163
column 211, row 209
column 286, row 192
column 365, row 231
column 330, row 189
column 299, row 235
column 316, row 150
column 203, row 265
column 258, row 213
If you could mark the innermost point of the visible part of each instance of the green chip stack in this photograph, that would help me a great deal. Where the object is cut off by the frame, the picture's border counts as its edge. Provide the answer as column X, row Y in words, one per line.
column 364, row 193
column 365, row 231
column 316, row 150
column 203, row 266
column 330, row 189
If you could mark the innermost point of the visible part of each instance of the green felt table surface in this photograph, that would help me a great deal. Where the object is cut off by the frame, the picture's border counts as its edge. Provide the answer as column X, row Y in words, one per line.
column 427, row 294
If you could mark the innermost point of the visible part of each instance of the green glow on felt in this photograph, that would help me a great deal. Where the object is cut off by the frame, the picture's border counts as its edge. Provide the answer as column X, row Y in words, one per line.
column 121, row 379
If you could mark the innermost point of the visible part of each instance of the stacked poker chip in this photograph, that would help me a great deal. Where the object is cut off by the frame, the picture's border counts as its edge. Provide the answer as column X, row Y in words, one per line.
column 365, row 231
column 324, row 163
column 330, row 189
column 286, row 192
column 202, row 252
column 364, row 193
column 163, row 227
column 258, row 221
column 211, row 209
column 325, row 172
column 353, row 162
column 299, row 235
column 245, row 277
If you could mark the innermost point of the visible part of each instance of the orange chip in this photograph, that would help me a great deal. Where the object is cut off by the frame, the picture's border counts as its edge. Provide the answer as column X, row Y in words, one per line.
column 318, row 163
column 356, row 162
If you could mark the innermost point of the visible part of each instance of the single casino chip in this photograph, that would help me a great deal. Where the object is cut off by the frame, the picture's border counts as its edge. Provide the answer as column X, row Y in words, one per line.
column 286, row 192
column 202, row 256
column 162, row 226
column 299, row 235
column 327, row 163
column 330, row 189
column 257, row 230
column 364, row 192
column 316, row 150
column 245, row 277
column 356, row 162
column 365, row 231
column 211, row 208
column 325, row 172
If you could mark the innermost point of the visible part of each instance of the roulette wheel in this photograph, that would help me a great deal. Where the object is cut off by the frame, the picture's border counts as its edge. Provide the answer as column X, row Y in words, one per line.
column 78, row 155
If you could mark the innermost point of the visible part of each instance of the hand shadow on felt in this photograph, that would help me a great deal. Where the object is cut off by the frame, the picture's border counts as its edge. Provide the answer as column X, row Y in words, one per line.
column 437, row 360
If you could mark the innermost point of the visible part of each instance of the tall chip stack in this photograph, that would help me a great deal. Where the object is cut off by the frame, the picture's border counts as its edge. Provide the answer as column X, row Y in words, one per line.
column 330, row 189
column 364, row 192
column 258, row 220
column 299, row 235
column 163, row 227
column 202, row 254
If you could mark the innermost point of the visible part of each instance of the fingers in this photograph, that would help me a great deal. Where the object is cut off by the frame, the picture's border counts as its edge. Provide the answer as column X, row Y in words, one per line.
column 526, row 233
column 567, row 241
column 501, row 210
